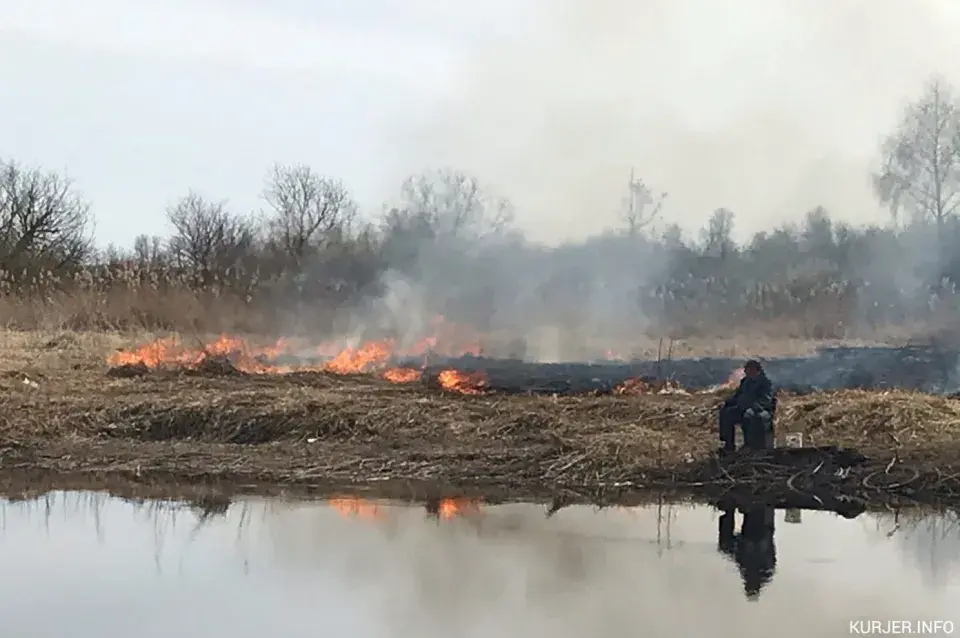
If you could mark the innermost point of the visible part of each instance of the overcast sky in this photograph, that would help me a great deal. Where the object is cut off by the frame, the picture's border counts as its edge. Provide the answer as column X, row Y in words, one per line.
column 767, row 107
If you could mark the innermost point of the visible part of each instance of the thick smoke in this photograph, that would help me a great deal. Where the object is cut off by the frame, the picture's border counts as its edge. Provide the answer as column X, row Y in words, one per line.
column 767, row 108
column 576, row 302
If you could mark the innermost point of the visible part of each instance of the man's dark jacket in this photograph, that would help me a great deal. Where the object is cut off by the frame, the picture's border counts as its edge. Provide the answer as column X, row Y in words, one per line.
column 756, row 393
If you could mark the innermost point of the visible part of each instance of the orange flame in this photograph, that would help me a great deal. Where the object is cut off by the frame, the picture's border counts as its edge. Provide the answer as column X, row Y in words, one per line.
column 448, row 339
column 453, row 507
column 372, row 356
column 355, row 507
column 402, row 375
column 463, row 382
column 170, row 352
column 731, row 382
column 447, row 509
column 735, row 378
column 366, row 358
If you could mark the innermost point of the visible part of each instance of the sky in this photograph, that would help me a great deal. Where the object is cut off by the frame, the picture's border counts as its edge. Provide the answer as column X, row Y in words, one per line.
column 766, row 107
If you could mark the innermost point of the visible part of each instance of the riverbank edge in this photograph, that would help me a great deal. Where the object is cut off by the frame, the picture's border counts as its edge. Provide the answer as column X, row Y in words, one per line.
column 896, row 483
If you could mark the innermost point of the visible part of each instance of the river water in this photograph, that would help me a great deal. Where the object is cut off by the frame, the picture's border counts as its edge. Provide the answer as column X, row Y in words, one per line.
column 83, row 564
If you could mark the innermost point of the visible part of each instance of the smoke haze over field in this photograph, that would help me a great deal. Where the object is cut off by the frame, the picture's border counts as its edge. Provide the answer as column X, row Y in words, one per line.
column 765, row 109
column 768, row 108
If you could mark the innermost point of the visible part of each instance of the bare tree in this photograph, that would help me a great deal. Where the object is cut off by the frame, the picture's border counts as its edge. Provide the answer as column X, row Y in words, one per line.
column 207, row 239
column 672, row 236
column 309, row 210
column 920, row 174
column 149, row 251
column 718, row 235
column 44, row 223
column 453, row 204
column 642, row 207
column 817, row 233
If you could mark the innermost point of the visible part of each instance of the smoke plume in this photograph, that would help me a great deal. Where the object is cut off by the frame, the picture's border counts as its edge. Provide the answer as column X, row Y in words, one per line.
column 768, row 108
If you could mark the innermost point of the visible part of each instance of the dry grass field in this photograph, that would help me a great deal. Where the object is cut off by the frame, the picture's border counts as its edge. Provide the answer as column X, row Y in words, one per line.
column 64, row 411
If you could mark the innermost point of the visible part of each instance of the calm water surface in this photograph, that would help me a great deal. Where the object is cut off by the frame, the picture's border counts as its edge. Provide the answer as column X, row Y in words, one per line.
column 85, row 565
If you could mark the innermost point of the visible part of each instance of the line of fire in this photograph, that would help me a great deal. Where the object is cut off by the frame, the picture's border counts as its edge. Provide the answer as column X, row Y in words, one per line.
column 452, row 358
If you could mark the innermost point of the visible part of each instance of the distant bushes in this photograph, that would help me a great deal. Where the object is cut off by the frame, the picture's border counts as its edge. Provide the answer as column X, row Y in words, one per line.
column 311, row 261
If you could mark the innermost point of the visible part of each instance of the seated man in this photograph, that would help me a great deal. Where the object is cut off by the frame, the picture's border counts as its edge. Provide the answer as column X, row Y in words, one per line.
column 752, row 407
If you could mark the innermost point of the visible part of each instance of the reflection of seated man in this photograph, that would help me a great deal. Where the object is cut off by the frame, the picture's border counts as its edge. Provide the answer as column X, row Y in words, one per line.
column 752, row 406
column 752, row 549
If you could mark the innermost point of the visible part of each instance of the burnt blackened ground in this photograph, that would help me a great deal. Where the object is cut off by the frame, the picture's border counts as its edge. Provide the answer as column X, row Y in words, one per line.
column 932, row 369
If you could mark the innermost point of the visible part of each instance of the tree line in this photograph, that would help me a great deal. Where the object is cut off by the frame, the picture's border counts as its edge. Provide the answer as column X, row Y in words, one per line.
column 311, row 254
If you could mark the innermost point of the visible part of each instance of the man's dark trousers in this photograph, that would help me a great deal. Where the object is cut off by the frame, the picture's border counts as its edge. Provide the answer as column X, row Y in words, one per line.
column 730, row 417
column 757, row 430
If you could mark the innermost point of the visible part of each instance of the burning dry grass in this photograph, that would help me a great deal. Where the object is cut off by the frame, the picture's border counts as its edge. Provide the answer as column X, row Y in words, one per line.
column 63, row 413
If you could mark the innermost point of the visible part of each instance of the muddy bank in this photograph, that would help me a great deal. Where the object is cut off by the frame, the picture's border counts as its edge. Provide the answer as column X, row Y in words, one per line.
column 313, row 429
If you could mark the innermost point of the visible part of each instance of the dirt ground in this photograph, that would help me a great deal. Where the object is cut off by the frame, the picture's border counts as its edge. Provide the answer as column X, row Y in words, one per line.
column 62, row 414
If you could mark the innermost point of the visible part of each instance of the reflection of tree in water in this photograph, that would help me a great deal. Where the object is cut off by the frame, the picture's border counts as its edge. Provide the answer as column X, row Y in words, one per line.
column 44, row 506
column 209, row 507
column 665, row 517
column 930, row 541
column 164, row 515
